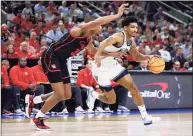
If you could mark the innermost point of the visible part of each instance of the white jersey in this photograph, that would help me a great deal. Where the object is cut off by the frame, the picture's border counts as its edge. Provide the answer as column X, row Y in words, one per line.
column 110, row 61
column 110, row 69
column 125, row 46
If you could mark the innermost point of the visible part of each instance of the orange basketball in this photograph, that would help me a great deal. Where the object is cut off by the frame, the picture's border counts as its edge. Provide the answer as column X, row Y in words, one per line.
column 156, row 65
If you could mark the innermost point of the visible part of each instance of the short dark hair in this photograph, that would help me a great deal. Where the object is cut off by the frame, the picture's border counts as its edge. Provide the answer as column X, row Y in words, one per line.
column 128, row 19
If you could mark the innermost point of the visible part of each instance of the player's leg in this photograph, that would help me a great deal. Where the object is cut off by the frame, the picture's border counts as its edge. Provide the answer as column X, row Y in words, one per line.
column 53, row 69
column 128, row 83
column 108, row 96
column 30, row 100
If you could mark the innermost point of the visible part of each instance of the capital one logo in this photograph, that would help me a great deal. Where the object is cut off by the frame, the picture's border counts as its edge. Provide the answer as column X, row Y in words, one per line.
column 156, row 93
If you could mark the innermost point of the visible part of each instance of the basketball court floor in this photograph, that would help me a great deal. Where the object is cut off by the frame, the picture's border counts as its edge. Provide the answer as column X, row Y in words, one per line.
column 172, row 123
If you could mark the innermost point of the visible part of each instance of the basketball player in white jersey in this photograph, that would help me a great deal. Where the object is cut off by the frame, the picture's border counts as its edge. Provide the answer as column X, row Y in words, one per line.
column 105, row 69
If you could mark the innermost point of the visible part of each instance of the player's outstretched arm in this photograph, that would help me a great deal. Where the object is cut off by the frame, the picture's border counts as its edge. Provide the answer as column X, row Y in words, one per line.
column 104, row 20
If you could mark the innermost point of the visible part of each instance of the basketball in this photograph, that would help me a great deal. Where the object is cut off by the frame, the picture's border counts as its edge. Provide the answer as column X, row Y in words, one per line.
column 156, row 65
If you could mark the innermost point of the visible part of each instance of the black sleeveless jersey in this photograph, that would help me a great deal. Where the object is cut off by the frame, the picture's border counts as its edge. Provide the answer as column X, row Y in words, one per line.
column 69, row 45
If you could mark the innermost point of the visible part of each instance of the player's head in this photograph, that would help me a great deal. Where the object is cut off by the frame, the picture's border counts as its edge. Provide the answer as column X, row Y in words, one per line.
column 130, row 25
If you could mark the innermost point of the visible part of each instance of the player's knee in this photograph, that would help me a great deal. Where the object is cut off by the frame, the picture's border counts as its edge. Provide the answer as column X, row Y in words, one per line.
column 131, row 86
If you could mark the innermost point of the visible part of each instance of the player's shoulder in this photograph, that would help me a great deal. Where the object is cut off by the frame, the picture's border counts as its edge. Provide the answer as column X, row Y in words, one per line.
column 118, row 36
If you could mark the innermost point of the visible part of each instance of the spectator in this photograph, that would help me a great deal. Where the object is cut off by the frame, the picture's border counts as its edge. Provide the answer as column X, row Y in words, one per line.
column 40, row 29
column 189, row 57
column 156, row 51
column 26, row 50
column 176, row 66
column 158, row 39
column 141, row 48
column 159, row 14
column 18, row 19
column 137, row 40
column 42, row 49
column 34, row 42
column 149, row 47
column 5, row 35
column 142, row 66
column 61, row 28
column 39, row 8
column 173, row 52
column 11, row 53
column 185, row 67
column 6, row 64
column 165, row 33
column 27, row 9
column 165, row 54
column 63, row 10
column 110, row 31
column 86, row 81
column 190, row 30
column 53, row 34
column 24, row 82
column 186, row 47
column 6, row 91
column 27, row 23
column 19, row 37
column 38, row 74
column 179, row 56
column 51, row 9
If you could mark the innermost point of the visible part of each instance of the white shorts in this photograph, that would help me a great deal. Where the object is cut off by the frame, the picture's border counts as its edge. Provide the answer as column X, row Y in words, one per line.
column 109, row 70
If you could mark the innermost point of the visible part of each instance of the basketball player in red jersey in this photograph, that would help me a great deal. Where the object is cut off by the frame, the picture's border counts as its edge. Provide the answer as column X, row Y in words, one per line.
column 54, row 66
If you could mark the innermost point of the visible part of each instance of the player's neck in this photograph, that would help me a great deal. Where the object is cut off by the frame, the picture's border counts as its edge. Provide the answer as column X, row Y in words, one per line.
column 127, row 36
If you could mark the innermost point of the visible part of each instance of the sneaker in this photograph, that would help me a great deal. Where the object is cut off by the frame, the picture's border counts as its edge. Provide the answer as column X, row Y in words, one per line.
column 91, row 99
column 107, row 109
column 90, row 111
column 29, row 104
column 18, row 112
column 38, row 123
column 6, row 112
column 79, row 109
column 65, row 111
column 148, row 120
column 99, row 110
column 122, row 109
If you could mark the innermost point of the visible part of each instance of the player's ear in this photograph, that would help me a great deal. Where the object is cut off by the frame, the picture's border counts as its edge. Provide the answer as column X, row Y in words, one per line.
column 125, row 28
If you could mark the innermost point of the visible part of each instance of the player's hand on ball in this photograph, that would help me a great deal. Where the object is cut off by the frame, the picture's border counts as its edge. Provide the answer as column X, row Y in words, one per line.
column 97, row 60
